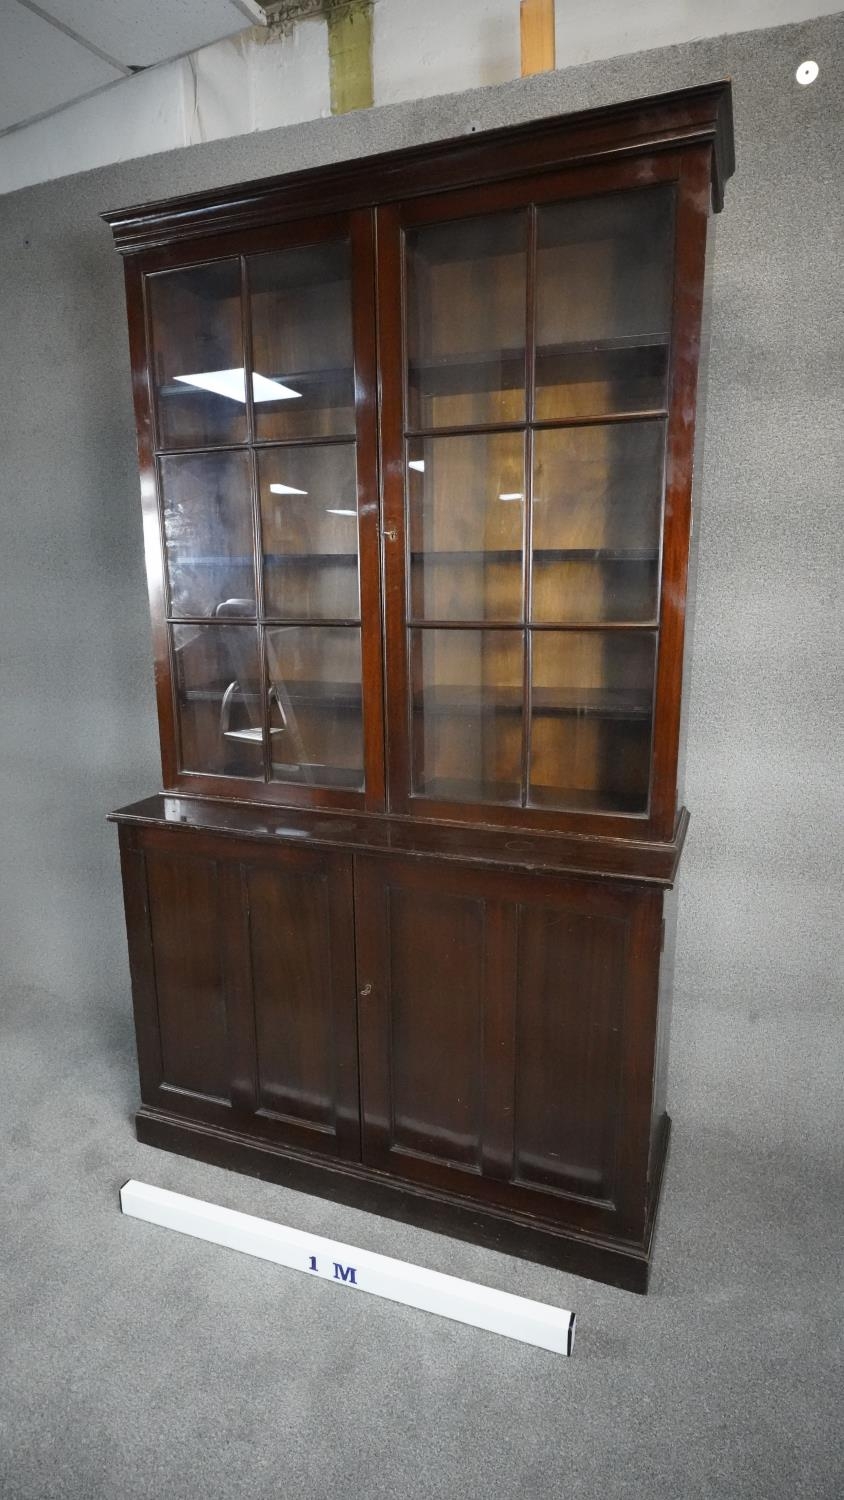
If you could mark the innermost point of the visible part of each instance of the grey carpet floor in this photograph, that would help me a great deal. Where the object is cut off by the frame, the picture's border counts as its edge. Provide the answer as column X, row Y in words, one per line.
column 139, row 1363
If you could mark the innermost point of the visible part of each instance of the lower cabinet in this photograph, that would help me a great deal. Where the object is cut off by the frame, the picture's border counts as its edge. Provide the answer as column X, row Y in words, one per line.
column 457, row 1035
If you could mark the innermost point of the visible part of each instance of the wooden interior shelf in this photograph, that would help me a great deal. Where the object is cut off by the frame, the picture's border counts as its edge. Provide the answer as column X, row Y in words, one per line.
column 540, row 554
column 321, row 694
column 493, row 359
column 508, row 793
column 598, row 703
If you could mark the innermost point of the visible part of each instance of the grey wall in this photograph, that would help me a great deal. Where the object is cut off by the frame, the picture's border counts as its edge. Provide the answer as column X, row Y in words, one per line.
column 758, row 939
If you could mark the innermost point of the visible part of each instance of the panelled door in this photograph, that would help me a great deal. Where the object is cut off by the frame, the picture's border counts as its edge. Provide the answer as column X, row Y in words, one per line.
column 535, row 362
column 244, row 987
column 505, row 1023
column 257, row 430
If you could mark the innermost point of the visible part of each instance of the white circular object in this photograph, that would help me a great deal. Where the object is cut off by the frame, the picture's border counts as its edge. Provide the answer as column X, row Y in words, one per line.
column 807, row 73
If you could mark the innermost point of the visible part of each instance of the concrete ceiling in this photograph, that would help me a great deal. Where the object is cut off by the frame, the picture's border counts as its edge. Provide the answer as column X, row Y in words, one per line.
column 55, row 51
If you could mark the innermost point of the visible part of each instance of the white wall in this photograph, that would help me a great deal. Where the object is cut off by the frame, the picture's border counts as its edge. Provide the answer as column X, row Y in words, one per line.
column 263, row 79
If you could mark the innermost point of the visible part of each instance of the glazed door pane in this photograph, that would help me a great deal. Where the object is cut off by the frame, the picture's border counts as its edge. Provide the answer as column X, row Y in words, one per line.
column 591, row 719
column 466, row 321
column 197, row 355
column 466, row 517
column 316, row 709
column 217, row 675
column 301, row 310
column 207, row 508
column 603, row 304
column 309, row 517
column 597, row 523
column 467, row 714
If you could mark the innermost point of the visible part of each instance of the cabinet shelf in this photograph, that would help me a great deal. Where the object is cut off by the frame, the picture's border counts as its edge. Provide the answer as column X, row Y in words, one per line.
column 540, row 554
column 276, row 559
column 329, row 696
column 505, row 368
column 507, row 794
column 596, row 703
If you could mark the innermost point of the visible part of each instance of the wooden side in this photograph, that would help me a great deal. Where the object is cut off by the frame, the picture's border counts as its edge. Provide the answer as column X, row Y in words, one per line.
column 141, row 962
column 690, row 256
column 659, row 1116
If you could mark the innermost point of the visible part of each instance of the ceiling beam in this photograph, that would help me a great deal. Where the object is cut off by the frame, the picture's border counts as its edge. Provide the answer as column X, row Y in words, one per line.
column 537, row 31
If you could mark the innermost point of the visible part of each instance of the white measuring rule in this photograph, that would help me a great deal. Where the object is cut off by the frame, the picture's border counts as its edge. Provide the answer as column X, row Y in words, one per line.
column 362, row 1270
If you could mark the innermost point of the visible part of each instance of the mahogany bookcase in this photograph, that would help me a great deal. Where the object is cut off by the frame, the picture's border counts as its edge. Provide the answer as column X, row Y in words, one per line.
column 416, row 438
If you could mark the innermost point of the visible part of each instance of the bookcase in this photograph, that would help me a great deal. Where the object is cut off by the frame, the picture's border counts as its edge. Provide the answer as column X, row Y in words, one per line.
column 416, row 438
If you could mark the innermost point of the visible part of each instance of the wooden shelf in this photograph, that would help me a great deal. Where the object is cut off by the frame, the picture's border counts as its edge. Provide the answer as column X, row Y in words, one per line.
column 330, row 696
column 318, row 773
column 507, row 794
column 596, row 703
column 446, row 555
column 509, row 364
column 541, row 554
column 275, row 559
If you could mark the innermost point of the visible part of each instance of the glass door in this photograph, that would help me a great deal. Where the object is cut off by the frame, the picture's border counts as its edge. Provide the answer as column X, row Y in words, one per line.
column 535, row 366
column 262, row 369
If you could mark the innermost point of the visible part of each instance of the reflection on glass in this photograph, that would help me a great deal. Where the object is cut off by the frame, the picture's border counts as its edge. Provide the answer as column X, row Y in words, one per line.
column 196, row 327
column 208, row 534
column 467, row 714
column 218, row 697
column 597, row 512
column 316, row 711
column 603, row 302
column 591, row 712
column 465, row 514
column 302, row 341
column 466, row 321
column 232, row 384
column 309, row 515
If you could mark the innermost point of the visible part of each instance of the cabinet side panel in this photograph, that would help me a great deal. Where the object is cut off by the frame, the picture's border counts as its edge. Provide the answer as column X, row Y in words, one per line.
column 436, row 948
column 571, row 989
column 184, row 919
column 663, row 1035
column 141, row 964
column 289, row 927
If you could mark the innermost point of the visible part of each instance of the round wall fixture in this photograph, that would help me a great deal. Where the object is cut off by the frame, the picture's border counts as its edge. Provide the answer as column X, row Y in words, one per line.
column 807, row 73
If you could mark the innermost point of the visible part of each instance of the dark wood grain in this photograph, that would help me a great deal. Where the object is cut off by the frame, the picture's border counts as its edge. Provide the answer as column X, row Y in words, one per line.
column 453, row 1011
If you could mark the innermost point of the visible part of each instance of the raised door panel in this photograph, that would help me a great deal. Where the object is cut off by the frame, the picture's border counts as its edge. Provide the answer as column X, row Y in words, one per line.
column 429, row 981
column 436, row 958
column 569, row 1019
column 300, row 946
column 186, row 933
